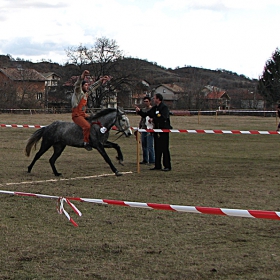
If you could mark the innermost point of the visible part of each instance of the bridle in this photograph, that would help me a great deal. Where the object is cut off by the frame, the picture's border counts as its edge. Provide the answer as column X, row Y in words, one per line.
column 119, row 129
column 118, row 118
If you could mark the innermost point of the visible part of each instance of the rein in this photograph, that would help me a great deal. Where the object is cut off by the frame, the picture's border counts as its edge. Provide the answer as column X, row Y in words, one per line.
column 119, row 136
column 118, row 131
column 98, row 122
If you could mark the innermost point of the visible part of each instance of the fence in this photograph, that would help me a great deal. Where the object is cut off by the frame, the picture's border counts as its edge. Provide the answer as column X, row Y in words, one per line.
column 264, row 113
column 53, row 110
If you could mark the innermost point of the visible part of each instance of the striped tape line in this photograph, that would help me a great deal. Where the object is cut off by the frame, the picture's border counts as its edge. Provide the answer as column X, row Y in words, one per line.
column 210, row 131
column 21, row 125
column 258, row 214
column 197, row 131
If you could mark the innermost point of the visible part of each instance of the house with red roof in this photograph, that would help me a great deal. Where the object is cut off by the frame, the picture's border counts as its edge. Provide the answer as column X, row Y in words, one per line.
column 137, row 94
column 27, row 85
column 216, row 98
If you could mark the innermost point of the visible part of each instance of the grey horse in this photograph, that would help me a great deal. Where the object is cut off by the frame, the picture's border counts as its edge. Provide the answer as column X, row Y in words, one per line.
column 60, row 134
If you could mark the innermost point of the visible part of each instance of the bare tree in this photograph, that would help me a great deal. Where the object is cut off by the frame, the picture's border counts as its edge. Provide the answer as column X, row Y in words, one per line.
column 78, row 55
column 29, row 92
column 8, row 95
column 99, row 60
column 192, row 97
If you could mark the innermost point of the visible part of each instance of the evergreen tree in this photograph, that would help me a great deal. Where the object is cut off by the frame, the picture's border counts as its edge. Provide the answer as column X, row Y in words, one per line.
column 269, row 82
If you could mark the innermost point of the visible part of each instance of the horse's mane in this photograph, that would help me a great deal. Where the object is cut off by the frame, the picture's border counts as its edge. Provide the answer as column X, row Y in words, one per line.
column 102, row 113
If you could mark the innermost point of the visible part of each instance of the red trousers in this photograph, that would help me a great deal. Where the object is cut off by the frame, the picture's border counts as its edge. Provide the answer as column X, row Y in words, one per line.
column 84, row 124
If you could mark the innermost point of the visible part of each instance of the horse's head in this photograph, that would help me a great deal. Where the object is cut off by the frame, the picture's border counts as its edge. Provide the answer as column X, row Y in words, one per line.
column 122, row 123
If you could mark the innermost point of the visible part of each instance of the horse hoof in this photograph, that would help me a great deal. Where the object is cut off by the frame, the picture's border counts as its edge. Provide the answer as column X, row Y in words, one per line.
column 120, row 160
column 118, row 173
column 58, row 174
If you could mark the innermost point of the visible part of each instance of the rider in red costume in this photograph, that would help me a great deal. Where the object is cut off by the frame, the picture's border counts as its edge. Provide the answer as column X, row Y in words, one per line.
column 79, row 102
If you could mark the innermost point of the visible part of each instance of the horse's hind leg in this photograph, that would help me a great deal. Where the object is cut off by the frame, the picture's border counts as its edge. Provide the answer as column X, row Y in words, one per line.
column 109, row 144
column 58, row 149
column 42, row 150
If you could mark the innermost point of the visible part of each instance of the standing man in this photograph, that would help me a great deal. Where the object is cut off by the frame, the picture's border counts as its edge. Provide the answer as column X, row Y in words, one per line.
column 79, row 102
column 147, row 137
column 159, row 115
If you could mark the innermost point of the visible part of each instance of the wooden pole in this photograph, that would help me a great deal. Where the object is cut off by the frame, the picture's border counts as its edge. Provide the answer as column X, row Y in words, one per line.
column 138, row 151
column 198, row 116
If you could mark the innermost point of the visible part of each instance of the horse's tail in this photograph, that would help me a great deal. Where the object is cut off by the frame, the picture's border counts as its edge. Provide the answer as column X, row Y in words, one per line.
column 33, row 140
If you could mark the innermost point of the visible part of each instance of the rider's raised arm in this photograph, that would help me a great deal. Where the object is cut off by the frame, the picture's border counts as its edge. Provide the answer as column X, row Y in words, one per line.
column 95, row 85
column 77, row 92
column 78, row 85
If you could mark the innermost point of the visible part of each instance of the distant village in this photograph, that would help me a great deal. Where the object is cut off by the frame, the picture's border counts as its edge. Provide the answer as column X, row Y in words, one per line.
column 44, row 87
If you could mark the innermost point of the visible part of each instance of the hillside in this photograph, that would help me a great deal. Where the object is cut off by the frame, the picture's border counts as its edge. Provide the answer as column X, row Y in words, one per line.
column 220, row 78
column 153, row 73
column 188, row 77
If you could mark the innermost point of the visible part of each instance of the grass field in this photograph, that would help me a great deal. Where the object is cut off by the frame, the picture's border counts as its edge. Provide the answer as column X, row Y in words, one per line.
column 111, row 242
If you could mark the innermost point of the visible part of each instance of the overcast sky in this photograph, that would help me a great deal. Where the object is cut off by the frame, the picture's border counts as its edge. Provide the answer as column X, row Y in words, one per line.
column 236, row 35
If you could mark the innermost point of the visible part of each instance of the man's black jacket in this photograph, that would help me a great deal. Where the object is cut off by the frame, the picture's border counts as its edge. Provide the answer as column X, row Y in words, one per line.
column 159, row 114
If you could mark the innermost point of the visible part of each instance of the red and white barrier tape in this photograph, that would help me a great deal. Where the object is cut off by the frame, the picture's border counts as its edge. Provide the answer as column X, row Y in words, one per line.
column 21, row 125
column 198, row 131
column 259, row 214
column 60, row 209
column 210, row 131
column 60, row 201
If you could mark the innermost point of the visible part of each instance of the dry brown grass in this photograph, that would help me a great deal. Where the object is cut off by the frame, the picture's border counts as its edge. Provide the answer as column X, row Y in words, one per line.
column 230, row 171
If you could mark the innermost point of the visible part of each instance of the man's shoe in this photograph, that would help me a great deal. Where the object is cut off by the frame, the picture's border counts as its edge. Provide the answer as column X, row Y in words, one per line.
column 87, row 146
column 154, row 168
column 166, row 169
column 143, row 162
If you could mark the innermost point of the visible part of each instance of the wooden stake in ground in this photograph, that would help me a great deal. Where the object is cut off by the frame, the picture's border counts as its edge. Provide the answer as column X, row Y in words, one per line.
column 138, row 150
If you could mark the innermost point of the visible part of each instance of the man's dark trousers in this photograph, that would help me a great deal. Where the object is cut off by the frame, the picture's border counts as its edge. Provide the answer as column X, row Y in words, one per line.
column 161, row 146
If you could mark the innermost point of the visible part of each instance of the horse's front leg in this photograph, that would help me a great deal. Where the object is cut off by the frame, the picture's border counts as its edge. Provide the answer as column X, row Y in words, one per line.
column 101, row 150
column 109, row 144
